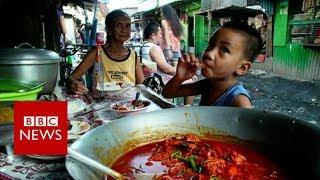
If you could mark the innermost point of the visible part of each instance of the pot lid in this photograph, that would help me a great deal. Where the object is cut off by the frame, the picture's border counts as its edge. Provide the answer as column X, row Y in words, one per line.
column 27, row 56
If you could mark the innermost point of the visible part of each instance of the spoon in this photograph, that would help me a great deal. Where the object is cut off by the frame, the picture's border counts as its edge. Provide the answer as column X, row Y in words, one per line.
column 136, row 100
column 90, row 162
column 97, row 165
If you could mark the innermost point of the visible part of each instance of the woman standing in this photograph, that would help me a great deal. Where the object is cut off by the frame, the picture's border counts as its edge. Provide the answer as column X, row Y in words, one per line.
column 172, row 32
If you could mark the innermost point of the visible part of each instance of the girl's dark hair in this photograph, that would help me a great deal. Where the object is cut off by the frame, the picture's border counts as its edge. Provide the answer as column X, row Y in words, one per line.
column 254, row 41
column 152, row 27
column 111, row 19
column 171, row 15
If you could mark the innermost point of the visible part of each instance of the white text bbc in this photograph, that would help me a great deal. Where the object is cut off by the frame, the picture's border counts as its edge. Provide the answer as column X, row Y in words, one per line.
column 40, row 121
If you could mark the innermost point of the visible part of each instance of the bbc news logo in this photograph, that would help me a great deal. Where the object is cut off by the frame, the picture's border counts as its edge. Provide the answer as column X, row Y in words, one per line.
column 40, row 128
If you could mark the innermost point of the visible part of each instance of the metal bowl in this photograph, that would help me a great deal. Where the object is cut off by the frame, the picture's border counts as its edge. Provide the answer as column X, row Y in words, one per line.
column 294, row 143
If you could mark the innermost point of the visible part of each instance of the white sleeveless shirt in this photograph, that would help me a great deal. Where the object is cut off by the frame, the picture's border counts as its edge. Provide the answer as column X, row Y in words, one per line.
column 146, row 59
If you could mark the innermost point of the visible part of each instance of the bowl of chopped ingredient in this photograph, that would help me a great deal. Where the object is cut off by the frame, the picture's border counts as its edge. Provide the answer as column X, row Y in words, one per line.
column 130, row 107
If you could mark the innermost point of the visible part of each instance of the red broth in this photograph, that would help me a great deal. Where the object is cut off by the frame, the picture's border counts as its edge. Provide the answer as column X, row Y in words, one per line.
column 189, row 157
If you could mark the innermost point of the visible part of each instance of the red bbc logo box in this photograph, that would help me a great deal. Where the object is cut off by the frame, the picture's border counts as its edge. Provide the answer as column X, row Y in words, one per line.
column 40, row 127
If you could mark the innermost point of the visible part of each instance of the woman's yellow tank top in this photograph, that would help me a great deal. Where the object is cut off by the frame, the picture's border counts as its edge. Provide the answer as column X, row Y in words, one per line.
column 119, row 70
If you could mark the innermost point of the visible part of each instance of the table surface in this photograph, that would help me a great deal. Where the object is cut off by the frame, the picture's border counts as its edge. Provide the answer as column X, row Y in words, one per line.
column 95, row 113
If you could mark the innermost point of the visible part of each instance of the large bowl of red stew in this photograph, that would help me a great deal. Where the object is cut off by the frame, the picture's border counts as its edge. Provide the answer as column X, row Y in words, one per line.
column 203, row 143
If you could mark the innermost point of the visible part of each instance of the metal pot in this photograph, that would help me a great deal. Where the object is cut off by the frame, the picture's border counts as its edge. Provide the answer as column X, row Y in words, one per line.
column 30, row 64
column 294, row 144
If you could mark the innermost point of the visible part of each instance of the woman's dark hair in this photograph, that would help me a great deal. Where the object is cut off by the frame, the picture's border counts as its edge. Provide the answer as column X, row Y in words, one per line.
column 152, row 27
column 111, row 19
column 171, row 15
column 254, row 41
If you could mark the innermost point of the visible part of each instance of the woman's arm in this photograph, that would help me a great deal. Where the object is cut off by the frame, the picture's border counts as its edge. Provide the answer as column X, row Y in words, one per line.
column 139, row 72
column 73, row 84
column 166, row 30
column 85, row 64
column 157, row 56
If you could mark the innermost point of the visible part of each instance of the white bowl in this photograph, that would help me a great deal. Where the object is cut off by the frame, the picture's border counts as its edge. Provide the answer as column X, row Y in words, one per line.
column 131, row 110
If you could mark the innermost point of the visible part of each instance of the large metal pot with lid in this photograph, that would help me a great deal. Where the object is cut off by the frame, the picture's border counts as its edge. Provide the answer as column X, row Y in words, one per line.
column 30, row 64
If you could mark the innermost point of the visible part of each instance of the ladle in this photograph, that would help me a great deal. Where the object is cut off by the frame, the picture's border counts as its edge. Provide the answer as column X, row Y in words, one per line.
column 116, row 175
column 90, row 162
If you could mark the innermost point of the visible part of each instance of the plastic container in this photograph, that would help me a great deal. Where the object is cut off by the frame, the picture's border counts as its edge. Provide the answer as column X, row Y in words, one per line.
column 19, row 91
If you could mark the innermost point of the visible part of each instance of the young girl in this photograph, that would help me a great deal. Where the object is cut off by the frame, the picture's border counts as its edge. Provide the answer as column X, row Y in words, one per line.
column 120, row 64
column 229, row 54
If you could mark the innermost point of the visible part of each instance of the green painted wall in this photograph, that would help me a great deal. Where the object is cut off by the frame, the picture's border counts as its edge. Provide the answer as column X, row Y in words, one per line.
column 281, row 23
column 200, row 35
column 191, row 7
column 184, row 38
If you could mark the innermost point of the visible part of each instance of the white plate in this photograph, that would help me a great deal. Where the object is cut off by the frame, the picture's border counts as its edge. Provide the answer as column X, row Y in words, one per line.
column 72, row 137
column 44, row 157
column 129, row 105
column 78, row 127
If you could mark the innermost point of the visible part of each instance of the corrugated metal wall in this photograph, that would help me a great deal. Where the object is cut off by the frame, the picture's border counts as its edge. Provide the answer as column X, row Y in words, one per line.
column 295, row 61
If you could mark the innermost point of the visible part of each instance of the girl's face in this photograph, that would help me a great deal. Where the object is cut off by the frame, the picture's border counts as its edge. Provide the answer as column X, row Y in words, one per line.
column 223, row 54
column 121, row 29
